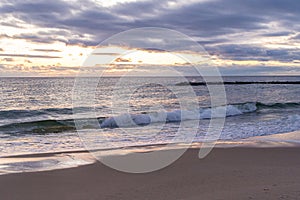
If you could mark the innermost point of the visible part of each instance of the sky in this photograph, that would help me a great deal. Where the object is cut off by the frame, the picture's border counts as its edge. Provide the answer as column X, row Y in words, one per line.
column 54, row 38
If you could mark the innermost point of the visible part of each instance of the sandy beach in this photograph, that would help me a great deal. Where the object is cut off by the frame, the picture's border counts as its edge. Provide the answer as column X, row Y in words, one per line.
column 226, row 173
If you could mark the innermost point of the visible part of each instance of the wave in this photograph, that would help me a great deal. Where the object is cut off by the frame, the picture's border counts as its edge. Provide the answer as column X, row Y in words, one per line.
column 277, row 105
column 127, row 120
column 19, row 114
column 39, row 127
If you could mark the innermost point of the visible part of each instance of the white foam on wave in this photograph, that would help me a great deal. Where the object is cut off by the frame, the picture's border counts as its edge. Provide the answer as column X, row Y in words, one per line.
column 130, row 120
column 234, row 130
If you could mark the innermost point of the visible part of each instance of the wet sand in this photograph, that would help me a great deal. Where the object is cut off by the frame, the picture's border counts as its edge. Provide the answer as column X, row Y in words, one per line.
column 226, row 173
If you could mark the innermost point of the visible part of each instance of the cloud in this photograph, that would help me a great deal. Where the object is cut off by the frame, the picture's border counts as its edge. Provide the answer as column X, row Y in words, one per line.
column 8, row 59
column 106, row 54
column 52, row 37
column 199, row 19
column 10, row 24
column 28, row 56
column 231, row 29
column 37, row 38
column 44, row 70
column 254, row 52
column 47, row 50
column 278, row 34
column 36, row 6
column 153, row 50
column 122, row 60
column 209, row 41
column 296, row 37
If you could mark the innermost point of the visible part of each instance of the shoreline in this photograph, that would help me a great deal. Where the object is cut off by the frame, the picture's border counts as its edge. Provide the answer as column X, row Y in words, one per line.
column 226, row 173
column 49, row 161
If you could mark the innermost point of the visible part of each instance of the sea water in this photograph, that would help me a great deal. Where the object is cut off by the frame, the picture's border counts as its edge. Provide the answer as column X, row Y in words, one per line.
column 37, row 114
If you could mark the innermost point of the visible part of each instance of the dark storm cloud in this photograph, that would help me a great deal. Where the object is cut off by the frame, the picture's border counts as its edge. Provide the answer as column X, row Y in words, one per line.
column 205, row 19
column 277, row 34
column 59, row 14
column 215, row 22
column 36, row 6
column 252, row 52
column 213, row 41
column 237, row 51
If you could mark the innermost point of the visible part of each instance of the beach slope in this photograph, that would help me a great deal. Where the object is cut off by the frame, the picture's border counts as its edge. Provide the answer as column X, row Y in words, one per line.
column 226, row 173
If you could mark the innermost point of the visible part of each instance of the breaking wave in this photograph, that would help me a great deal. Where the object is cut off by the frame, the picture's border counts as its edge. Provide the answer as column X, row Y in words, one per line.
column 44, row 126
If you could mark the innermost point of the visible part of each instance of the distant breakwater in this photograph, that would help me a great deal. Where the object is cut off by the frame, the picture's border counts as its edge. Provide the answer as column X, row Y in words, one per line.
column 238, row 83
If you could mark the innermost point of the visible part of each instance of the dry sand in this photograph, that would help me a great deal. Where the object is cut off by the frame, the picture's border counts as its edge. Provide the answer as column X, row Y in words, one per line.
column 227, row 173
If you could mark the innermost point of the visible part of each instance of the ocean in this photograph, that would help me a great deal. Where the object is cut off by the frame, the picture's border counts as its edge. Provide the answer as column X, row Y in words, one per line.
column 37, row 116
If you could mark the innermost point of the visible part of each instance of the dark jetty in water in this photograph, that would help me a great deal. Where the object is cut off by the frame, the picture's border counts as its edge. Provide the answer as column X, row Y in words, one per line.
column 238, row 83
